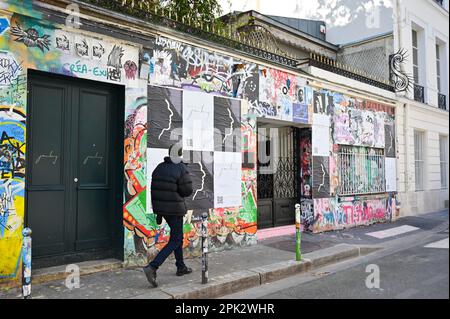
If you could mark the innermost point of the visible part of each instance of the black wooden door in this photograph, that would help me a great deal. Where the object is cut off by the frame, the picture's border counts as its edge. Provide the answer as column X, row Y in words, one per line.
column 73, row 158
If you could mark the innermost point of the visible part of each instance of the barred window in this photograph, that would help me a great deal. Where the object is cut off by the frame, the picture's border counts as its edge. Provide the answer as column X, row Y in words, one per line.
column 361, row 170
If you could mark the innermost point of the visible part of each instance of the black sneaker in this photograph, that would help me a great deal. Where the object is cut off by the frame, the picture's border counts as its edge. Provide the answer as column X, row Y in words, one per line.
column 184, row 271
column 150, row 273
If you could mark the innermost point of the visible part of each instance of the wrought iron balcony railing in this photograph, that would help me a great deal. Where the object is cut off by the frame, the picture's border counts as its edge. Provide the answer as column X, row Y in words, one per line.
column 345, row 70
column 442, row 101
column 419, row 93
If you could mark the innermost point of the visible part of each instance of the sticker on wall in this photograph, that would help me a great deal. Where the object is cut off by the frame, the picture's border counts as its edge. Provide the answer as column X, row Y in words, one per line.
column 62, row 42
column 165, row 117
column 300, row 113
column 98, row 50
column 198, row 121
column 227, row 179
column 307, row 214
column 4, row 25
column 82, row 47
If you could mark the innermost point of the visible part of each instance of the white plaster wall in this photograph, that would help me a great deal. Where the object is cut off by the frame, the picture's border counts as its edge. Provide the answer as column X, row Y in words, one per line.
column 432, row 21
column 433, row 122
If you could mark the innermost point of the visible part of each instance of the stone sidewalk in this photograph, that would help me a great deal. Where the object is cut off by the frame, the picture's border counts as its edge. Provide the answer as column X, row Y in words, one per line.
column 231, row 270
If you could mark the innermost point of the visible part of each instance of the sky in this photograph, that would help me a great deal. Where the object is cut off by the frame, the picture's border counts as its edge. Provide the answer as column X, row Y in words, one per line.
column 367, row 17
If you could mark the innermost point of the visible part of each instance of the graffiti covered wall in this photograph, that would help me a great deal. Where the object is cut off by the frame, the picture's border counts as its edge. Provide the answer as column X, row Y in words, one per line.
column 343, row 121
column 159, row 111
column 31, row 43
column 345, row 212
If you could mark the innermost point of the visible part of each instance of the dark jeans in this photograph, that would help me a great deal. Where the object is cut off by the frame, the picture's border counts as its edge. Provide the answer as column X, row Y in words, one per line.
column 174, row 245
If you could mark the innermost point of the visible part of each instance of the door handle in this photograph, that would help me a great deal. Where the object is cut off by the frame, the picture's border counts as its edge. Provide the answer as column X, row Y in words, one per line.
column 75, row 180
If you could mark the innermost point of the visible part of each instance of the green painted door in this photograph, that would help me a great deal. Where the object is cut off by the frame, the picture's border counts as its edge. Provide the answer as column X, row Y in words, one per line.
column 74, row 152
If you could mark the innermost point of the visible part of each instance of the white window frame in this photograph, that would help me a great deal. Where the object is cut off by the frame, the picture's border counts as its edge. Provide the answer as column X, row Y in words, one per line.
column 443, row 156
column 442, row 88
column 438, row 67
column 421, row 27
column 415, row 56
column 419, row 160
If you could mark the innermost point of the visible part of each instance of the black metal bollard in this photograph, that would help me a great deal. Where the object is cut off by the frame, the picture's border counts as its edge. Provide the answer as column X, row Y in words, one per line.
column 205, row 248
column 26, row 263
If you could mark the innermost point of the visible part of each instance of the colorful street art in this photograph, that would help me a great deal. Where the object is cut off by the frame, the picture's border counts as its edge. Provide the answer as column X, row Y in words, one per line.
column 154, row 118
column 305, row 164
column 358, row 127
column 12, row 186
column 332, row 214
column 30, row 43
column 12, row 159
column 283, row 96
column 177, row 64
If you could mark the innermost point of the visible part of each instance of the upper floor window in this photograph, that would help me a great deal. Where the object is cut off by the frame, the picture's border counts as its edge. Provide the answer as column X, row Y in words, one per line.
column 438, row 68
column 418, row 59
column 415, row 52
column 441, row 74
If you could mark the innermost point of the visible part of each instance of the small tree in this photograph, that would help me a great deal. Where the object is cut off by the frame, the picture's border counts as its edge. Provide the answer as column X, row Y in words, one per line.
column 205, row 11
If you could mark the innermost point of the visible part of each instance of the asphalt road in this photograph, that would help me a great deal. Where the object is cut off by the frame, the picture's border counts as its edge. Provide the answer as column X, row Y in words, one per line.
column 413, row 272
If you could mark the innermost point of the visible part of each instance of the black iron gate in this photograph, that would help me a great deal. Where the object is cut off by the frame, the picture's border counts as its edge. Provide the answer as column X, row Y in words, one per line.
column 278, row 179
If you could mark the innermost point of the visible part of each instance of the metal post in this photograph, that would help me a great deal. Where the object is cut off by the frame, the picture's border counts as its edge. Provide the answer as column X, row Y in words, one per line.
column 205, row 248
column 26, row 263
column 298, row 253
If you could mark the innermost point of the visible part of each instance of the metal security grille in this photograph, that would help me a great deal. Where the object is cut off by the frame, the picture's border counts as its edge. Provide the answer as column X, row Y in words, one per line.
column 361, row 170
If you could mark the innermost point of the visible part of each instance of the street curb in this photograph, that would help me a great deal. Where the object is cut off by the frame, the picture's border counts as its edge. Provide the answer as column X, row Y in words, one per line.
column 217, row 286
column 241, row 280
column 87, row 268
column 333, row 254
column 274, row 272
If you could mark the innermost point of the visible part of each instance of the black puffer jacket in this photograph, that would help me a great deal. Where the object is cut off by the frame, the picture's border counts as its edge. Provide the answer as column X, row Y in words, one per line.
column 171, row 183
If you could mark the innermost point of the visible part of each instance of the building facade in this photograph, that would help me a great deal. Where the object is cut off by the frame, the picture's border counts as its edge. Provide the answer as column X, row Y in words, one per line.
column 423, row 118
column 411, row 50
column 87, row 110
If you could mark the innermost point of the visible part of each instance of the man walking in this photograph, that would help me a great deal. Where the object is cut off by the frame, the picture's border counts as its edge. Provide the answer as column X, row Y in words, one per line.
column 171, row 183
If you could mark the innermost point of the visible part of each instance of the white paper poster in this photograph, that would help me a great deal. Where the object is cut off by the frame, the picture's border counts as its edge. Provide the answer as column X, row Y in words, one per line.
column 198, row 121
column 227, row 179
column 391, row 174
column 321, row 140
column 155, row 156
column 321, row 119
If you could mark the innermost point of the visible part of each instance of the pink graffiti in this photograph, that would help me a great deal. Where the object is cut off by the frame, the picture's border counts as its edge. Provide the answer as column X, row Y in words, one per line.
column 351, row 213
